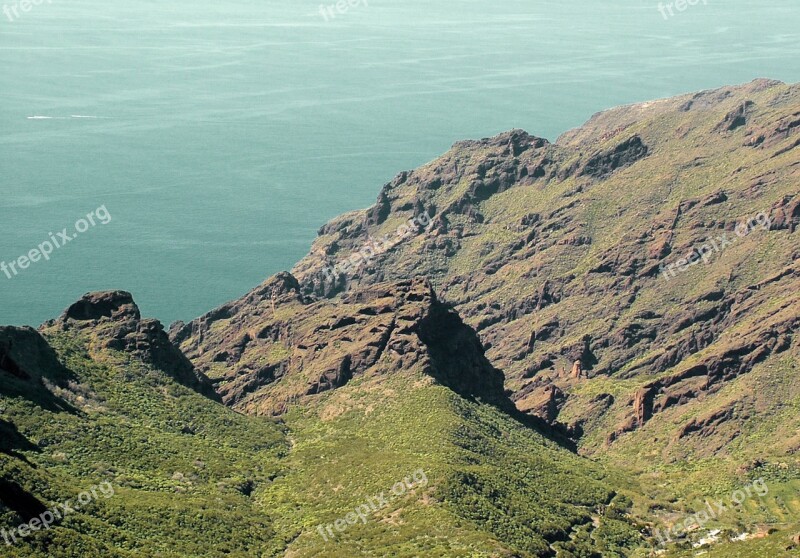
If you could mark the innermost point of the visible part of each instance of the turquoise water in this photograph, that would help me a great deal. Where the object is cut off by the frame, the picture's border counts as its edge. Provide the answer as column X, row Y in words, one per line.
column 225, row 133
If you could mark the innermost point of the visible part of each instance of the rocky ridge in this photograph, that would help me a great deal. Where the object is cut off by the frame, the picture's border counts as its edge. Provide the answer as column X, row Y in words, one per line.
column 555, row 253
column 276, row 346
column 112, row 320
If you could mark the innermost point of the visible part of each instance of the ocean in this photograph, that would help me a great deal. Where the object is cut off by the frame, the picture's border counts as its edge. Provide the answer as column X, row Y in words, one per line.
column 219, row 136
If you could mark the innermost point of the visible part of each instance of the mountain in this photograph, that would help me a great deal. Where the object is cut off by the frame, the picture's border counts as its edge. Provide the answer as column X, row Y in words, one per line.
column 101, row 438
column 523, row 349
column 99, row 396
column 642, row 266
column 275, row 347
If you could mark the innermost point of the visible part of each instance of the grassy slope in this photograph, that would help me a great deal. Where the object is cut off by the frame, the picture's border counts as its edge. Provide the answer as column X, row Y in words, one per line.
column 494, row 485
column 177, row 493
column 221, row 483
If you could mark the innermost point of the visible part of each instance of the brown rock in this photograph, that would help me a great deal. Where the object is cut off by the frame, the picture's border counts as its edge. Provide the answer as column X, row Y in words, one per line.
column 606, row 162
column 321, row 345
column 736, row 118
column 643, row 405
column 112, row 321
column 795, row 540
column 695, row 338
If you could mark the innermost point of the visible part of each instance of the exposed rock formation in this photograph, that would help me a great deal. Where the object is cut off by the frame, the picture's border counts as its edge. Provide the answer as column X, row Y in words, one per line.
column 559, row 252
column 795, row 540
column 112, row 320
column 625, row 154
column 261, row 359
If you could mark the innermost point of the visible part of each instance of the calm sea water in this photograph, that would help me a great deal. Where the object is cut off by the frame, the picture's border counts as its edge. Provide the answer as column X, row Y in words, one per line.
column 224, row 133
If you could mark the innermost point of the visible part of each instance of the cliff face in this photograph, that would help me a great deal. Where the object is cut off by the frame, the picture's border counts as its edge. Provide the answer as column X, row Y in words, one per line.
column 111, row 320
column 384, row 382
column 653, row 248
column 639, row 265
column 634, row 285
column 275, row 346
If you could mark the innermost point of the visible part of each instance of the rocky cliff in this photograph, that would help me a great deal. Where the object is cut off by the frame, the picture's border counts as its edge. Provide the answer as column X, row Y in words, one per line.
column 631, row 286
column 637, row 264
column 111, row 320
column 277, row 346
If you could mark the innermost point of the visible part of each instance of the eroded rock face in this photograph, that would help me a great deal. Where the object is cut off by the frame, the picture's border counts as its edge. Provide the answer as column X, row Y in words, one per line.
column 736, row 118
column 785, row 213
column 111, row 320
column 714, row 367
column 542, row 399
column 554, row 254
column 262, row 357
column 115, row 305
column 621, row 156
column 539, row 245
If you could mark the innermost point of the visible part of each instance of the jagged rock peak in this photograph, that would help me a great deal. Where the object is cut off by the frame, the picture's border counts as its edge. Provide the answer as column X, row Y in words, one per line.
column 517, row 140
column 305, row 348
column 280, row 289
column 417, row 289
column 279, row 285
column 114, row 305
column 112, row 321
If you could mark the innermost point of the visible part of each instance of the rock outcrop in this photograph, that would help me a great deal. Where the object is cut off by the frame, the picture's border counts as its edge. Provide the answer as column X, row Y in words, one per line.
column 112, row 320
column 619, row 246
column 262, row 358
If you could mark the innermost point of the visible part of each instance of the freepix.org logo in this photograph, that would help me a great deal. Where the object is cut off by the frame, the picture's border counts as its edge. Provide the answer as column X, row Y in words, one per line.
column 679, row 6
column 12, row 12
column 48, row 518
column 44, row 250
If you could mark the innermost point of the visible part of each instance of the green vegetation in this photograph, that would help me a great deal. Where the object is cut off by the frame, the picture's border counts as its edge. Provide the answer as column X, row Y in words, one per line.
column 538, row 263
column 181, row 466
column 220, row 483
column 551, row 264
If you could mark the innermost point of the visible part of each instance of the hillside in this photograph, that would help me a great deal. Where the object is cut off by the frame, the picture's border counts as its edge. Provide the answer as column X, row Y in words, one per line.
column 566, row 259
column 101, row 396
column 177, row 467
column 636, row 281
column 555, row 349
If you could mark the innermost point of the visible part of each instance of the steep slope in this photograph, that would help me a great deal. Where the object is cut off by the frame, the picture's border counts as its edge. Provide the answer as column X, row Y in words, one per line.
column 274, row 347
column 636, row 281
column 97, row 399
column 642, row 262
column 582, row 327
column 112, row 321
column 643, row 266
column 494, row 486
column 135, row 463
column 384, row 381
